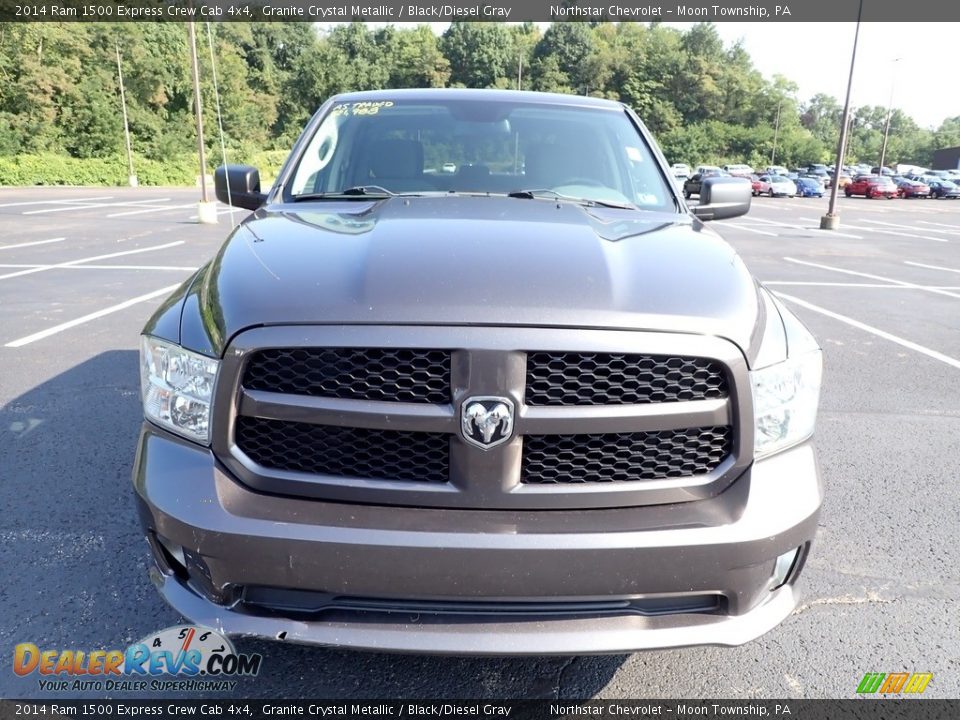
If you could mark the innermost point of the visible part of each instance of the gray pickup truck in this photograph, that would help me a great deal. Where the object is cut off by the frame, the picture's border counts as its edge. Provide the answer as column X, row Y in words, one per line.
column 472, row 378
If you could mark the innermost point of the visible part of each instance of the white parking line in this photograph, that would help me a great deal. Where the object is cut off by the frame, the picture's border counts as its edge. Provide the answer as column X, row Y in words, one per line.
column 150, row 210
column 98, row 267
column 220, row 211
column 887, row 232
column 902, row 283
column 910, row 227
column 885, row 286
column 953, row 362
column 813, row 230
column 87, row 318
column 927, row 222
column 931, row 267
column 91, row 206
column 30, row 244
column 56, row 202
column 90, row 259
column 749, row 229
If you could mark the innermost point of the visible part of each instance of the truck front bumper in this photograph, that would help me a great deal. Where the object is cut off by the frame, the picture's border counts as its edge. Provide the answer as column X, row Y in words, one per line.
column 475, row 582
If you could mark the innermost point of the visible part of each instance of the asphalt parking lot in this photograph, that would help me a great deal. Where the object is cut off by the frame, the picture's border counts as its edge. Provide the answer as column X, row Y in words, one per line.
column 82, row 269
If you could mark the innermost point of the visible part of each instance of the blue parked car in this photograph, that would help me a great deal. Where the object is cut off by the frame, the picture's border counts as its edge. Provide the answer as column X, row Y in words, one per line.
column 808, row 187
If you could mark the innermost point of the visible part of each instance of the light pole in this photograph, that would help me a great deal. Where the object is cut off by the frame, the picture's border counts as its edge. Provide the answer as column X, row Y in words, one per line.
column 886, row 127
column 207, row 211
column 831, row 221
column 132, row 176
column 776, row 133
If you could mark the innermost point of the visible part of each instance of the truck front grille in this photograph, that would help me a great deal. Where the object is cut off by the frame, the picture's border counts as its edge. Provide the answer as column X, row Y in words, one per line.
column 398, row 375
column 624, row 457
column 568, row 378
column 344, row 451
column 375, row 415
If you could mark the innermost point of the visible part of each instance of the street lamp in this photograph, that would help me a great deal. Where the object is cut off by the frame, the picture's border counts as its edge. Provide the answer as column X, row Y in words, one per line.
column 831, row 220
column 886, row 127
column 206, row 210
column 776, row 132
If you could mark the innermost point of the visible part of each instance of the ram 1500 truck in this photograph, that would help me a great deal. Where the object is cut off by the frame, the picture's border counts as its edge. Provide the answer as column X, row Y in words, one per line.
column 473, row 378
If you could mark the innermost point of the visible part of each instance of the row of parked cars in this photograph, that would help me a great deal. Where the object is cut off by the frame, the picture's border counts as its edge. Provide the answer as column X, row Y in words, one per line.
column 778, row 181
column 876, row 186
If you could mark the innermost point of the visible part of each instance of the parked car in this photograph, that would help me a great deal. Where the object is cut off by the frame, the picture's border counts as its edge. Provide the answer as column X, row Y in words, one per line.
column 842, row 181
column 738, row 170
column 692, row 185
column 775, row 170
column 908, row 188
column 428, row 438
column 709, row 169
column 680, row 170
column 944, row 189
column 809, row 187
column 872, row 186
column 779, row 186
column 821, row 175
column 760, row 187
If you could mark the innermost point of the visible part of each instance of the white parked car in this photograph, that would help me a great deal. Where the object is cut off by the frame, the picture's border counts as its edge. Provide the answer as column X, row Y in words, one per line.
column 780, row 186
column 680, row 170
column 739, row 170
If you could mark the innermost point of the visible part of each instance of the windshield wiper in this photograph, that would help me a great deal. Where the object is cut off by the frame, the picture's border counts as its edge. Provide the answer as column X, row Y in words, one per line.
column 589, row 202
column 361, row 192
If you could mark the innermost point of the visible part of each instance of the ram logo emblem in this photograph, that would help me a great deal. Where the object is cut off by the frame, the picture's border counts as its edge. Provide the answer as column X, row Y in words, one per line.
column 486, row 421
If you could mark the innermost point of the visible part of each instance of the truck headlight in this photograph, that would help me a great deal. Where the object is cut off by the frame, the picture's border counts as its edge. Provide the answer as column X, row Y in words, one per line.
column 785, row 399
column 177, row 387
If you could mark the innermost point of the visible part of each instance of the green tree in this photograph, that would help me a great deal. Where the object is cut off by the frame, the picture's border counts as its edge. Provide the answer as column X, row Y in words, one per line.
column 479, row 54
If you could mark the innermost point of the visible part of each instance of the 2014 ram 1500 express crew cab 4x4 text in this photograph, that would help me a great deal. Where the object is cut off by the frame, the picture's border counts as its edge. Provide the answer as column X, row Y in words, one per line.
column 473, row 378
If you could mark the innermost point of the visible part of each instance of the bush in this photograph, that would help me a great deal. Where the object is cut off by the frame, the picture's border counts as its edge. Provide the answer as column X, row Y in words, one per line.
column 49, row 169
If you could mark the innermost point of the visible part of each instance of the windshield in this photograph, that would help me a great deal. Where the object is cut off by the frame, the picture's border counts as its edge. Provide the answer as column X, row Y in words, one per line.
column 479, row 146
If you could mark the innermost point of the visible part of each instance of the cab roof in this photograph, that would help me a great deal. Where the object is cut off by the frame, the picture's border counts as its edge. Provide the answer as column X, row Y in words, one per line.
column 490, row 96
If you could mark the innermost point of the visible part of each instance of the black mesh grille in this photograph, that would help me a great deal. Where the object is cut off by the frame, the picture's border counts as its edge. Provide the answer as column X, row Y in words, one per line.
column 344, row 451
column 624, row 457
column 399, row 375
column 555, row 378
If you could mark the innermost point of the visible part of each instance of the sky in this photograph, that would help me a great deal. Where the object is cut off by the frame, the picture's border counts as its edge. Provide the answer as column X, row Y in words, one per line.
column 816, row 56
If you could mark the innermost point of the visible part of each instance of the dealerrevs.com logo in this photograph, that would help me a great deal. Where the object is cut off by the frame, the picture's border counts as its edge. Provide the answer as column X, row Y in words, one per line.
column 184, row 658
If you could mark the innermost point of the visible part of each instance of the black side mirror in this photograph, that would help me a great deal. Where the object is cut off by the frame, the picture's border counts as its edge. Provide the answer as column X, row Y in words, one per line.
column 239, row 185
column 723, row 197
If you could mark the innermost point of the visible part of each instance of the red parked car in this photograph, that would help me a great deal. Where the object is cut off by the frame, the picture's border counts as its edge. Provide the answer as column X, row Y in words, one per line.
column 760, row 187
column 872, row 186
column 908, row 188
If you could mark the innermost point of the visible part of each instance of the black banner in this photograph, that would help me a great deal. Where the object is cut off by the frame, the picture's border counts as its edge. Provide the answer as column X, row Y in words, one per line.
column 421, row 11
column 880, row 709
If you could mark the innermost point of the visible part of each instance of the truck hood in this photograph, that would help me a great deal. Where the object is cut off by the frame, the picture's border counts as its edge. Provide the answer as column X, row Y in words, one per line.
column 461, row 260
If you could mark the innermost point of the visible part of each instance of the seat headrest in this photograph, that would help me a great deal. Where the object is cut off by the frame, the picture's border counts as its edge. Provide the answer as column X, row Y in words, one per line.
column 395, row 158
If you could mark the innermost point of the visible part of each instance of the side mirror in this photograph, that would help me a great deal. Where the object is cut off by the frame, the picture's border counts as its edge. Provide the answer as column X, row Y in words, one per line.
column 723, row 197
column 239, row 185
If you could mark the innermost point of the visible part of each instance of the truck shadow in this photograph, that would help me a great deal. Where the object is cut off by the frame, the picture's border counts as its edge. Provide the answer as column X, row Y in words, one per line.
column 73, row 563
